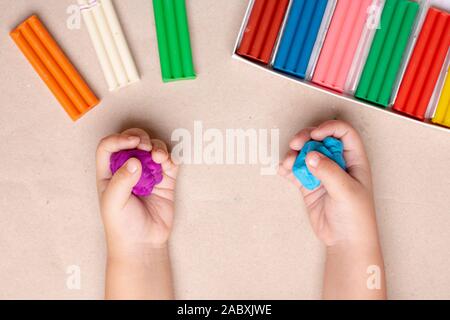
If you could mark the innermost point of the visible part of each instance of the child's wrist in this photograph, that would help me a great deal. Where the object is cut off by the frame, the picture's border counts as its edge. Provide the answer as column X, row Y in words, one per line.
column 358, row 247
column 360, row 234
column 138, row 254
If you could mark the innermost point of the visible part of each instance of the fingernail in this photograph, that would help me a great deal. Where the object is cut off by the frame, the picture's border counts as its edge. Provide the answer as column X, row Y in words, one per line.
column 144, row 146
column 313, row 160
column 134, row 138
column 132, row 167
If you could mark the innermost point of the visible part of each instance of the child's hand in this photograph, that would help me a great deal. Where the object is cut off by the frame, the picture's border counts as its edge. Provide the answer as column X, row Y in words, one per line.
column 342, row 214
column 342, row 208
column 132, row 222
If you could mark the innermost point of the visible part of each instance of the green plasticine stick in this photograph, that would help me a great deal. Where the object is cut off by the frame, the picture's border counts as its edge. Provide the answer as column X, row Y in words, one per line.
column 385, row 57
column 174, row 43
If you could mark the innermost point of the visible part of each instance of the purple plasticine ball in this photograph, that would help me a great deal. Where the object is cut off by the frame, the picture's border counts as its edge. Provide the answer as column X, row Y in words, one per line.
column 151, row 171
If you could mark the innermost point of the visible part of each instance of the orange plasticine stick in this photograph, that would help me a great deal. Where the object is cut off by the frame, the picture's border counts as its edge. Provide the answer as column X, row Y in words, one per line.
column 54, row 68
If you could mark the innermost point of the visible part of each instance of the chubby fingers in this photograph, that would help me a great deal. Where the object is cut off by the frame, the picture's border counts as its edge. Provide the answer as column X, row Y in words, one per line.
column 353, row 145
column 285, row 168
column 145, row 141
column 287, row 163
column 295, row 145
column 108, row 146
column 121, row 185
column 302, row 137
column 129, row 139
column 354, row 151
column 161, row 155
column 335, row 180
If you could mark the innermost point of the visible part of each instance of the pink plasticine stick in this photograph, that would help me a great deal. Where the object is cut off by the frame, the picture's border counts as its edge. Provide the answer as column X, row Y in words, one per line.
column 341, row 43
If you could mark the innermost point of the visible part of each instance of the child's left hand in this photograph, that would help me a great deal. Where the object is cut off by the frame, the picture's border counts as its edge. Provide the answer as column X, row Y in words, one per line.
column 132, row 222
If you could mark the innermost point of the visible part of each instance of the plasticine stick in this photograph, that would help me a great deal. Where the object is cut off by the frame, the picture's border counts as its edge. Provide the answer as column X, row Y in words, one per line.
column 388, row 48
column 442, row 115
column 262, row 29
column 299, row 36
column 53, row 67
column 251, row 27
column 325, row 25
column 364, row 46
column 109, row 43
column 438, row 89
column 341, row 43
column 425, row 65
column 174, row 42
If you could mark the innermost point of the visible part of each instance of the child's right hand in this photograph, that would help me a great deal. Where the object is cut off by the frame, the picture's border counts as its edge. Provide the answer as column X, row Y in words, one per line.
column 342, row 213
column 341, row 210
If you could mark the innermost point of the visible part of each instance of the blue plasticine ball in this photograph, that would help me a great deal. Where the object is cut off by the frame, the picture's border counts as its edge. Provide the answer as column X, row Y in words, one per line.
column 329, row 147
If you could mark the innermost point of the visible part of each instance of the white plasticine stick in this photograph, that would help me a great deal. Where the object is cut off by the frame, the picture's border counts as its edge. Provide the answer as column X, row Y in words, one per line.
column 121, row 43
column 364, row 46
column 109, row 43
column 99, row 48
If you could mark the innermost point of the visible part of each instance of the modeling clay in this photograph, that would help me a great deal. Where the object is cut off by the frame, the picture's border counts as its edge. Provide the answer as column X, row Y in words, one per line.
column 341, row 43
column 365, row 43
column 174, row 42
column 329, row 147
column 425, row 5
column 300, row 36
column 109, row 43
column 442, row 115
column 425, row 65
column 262, row 29
column 53, row 67
column 438, row 90
column 151, row 171
column 326, row 21
column 388, row 48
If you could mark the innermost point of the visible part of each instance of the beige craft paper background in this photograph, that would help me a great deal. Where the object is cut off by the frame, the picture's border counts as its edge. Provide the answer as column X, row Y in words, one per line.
column 237, row 234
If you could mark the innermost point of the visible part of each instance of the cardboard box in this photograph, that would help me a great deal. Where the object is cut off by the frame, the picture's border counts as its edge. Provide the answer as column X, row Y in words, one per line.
column 343, row 96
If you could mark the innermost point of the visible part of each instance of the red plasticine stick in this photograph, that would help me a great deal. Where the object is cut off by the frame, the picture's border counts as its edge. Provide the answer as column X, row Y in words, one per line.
column 425, row 65
column 262, row 29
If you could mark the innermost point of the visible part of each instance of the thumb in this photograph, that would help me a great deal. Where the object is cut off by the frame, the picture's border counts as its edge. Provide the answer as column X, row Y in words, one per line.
column 121, row 184
column 335, row 180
